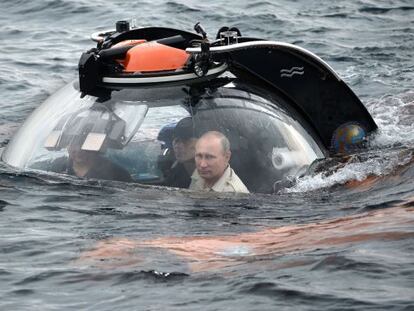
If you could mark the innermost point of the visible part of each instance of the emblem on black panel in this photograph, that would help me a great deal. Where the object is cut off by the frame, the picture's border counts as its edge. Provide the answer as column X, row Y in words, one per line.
column 289, row 73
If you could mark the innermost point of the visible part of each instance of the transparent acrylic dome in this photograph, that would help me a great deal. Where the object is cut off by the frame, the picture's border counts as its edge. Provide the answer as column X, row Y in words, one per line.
column 131, row 136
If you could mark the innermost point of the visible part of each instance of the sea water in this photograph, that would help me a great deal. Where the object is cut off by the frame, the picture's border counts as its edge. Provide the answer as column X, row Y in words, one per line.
column 337, row 240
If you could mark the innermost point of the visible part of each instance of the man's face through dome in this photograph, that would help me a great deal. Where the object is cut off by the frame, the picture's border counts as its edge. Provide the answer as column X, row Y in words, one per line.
column 183, row 140
column 211, row 158
column 77, row 155
column 184, row 149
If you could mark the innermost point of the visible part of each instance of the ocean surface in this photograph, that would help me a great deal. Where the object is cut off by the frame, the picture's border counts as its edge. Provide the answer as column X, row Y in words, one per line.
column 341, row 239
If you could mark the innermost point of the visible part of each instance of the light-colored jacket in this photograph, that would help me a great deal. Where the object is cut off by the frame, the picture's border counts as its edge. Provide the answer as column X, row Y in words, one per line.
column 228, row 182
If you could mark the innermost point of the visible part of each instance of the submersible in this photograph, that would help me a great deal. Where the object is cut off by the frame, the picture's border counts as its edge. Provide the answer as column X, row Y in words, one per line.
column 280, row 106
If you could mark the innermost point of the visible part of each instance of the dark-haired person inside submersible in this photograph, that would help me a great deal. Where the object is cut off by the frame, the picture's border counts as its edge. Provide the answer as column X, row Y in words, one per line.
column 183, row 144
column 88, row 164
column 92, row 164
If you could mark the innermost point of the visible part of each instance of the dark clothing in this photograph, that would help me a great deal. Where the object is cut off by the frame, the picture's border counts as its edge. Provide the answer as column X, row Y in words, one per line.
column 102, row 168
column 178, row 177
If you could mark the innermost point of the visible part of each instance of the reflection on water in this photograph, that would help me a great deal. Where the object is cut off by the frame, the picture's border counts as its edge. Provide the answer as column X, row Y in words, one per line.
column 216, row 252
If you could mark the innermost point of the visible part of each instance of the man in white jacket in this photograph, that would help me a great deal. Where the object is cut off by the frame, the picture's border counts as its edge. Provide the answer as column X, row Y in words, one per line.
column 213, row 172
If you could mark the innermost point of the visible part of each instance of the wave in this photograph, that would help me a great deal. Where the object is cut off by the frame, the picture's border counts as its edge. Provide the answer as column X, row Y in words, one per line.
column 383, row 10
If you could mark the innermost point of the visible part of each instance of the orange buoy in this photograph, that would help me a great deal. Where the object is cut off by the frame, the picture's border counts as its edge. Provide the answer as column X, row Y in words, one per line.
column 153, row 56
column 127, row 43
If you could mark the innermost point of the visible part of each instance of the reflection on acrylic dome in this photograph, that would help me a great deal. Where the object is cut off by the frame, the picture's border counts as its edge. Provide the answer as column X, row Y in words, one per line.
column 348, row 138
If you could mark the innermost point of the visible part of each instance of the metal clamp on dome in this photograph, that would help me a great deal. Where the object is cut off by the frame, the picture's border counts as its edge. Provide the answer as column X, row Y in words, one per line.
column 227, row 36
column 202, row 61
column 89, row 75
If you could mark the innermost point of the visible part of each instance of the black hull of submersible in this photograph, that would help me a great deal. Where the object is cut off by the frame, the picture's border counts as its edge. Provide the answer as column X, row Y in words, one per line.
column 315, row 90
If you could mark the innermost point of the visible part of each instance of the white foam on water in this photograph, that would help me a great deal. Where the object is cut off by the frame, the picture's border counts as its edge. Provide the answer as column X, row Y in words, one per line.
column 379, row 165
column 352, row 171
column 236, row 250
column 394, row 116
